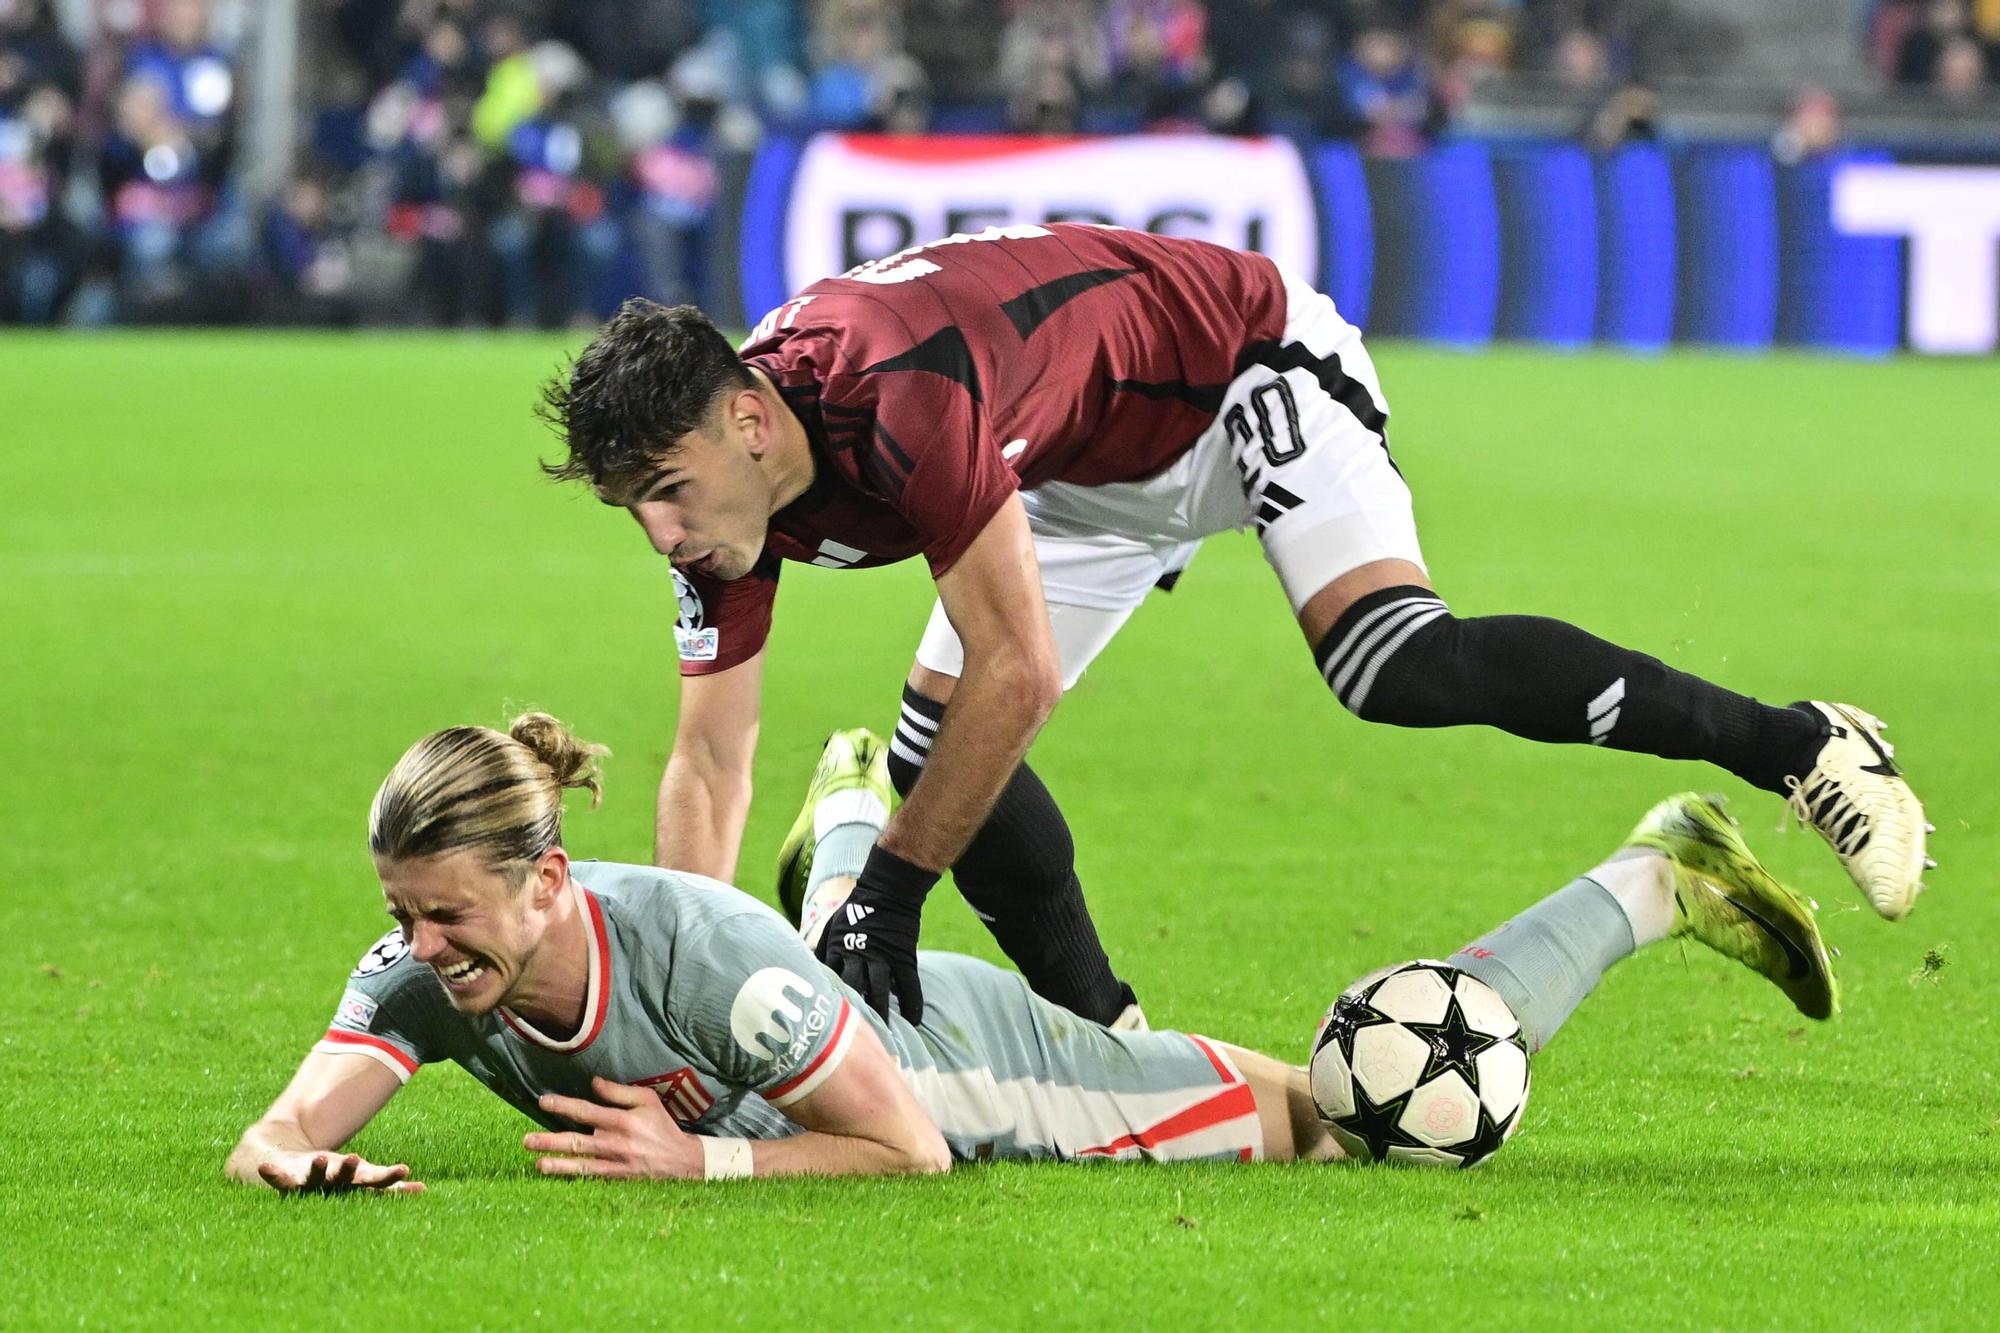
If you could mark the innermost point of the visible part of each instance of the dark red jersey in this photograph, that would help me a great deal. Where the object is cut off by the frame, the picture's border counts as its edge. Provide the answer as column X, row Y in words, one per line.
column 935, row 383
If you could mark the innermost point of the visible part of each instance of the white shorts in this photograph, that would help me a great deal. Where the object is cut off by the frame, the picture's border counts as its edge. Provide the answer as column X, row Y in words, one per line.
column 1297, row 452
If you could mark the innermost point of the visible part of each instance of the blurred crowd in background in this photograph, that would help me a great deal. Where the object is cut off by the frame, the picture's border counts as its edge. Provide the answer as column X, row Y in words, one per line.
column 517, row 162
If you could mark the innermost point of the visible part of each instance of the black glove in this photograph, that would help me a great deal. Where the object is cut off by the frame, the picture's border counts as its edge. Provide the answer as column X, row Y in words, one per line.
column 872, row 939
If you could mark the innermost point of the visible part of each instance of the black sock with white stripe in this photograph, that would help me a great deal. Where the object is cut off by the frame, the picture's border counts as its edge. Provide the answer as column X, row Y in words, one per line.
column 1400, row 656
column 1019, row 876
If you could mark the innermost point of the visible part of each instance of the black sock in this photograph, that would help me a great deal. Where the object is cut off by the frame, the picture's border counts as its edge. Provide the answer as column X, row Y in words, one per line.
column 1019, row 875
column 1400, row 656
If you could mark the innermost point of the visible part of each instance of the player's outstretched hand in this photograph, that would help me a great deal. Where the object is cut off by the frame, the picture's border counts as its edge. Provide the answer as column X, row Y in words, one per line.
column 631, row 1136
column 334, row 1173
column 872, row 943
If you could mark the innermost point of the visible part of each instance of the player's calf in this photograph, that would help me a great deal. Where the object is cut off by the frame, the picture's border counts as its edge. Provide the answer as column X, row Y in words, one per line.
column 1018, row 874
column 1399, row 655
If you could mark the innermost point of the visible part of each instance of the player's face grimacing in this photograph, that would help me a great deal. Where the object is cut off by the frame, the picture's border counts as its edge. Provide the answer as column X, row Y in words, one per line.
column 477, row 928
column 706, row 502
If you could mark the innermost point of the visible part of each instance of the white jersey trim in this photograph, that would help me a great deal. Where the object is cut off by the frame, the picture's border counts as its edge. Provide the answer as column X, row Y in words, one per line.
column 806, row 1083
column 597, row 991
column 368, row 1048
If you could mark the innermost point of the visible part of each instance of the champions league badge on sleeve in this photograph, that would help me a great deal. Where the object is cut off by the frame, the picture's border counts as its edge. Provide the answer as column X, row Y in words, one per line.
column 382, row 955
column 696, row 641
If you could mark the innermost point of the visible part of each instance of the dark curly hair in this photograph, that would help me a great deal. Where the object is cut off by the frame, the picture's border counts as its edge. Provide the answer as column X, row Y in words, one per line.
column 649, row 377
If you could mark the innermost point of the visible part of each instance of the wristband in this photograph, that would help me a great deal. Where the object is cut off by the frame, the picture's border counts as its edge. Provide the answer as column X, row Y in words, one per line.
column 905, row 881
column 725, row 1159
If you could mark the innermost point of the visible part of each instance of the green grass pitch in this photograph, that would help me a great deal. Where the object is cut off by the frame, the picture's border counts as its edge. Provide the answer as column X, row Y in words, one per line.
column 238, row 575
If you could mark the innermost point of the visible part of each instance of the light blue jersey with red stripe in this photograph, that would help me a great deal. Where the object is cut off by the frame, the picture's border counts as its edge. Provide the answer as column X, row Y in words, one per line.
column 705, row 995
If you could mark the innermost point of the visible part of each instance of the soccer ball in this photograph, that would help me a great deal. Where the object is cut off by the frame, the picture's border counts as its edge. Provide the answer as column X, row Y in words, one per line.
column 1420, row 1063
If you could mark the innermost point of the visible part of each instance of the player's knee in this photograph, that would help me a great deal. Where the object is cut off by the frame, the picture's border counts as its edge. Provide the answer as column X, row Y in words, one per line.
column 1389, row 658
column 932, row 684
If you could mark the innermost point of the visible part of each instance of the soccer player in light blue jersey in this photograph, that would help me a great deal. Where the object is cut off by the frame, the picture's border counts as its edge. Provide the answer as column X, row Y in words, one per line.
column 662, row 1024
column 658, row 1024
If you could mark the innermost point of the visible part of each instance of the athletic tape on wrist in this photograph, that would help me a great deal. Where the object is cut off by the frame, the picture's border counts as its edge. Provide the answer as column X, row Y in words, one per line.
column 725, row 1159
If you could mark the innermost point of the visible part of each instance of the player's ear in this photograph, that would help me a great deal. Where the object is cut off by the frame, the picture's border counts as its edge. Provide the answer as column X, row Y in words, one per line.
column 548, row 878
column 750, row 415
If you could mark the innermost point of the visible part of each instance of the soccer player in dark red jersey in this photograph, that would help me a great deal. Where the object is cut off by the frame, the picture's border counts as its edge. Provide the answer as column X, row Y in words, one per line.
column 1054, row 417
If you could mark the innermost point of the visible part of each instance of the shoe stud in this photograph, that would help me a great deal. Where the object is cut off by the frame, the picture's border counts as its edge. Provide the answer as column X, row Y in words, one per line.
column 1929, row 864
column 1833, row 949
column 1930, row 828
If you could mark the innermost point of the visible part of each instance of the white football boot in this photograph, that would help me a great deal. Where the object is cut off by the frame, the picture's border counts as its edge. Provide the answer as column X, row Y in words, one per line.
column 1865, row 810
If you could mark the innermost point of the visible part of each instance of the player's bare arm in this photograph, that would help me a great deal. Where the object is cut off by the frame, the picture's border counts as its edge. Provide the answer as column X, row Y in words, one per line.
column 705, row 790
column 1011, row 683
column 294, row 1146
column 862, row 1121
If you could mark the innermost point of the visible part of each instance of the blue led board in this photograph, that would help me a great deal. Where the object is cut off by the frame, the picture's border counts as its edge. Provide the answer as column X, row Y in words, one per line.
column 1635, row 247
column 1347, row 230
column 1547, row 196
column 761, row 239
column 1727, row 213
column 1840, row 292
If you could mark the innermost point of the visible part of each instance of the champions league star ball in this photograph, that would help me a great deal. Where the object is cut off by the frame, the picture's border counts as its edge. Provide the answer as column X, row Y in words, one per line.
column 1420, row 1063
